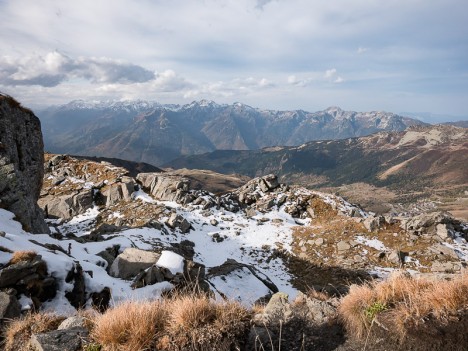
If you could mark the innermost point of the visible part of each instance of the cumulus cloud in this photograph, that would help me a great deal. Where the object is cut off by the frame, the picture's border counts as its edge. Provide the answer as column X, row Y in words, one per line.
column 53, row 68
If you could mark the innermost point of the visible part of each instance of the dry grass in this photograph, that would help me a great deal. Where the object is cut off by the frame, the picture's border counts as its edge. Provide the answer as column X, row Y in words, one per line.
column 18, row 332
column 130, row 326
column 22, row 256
column 181, row 323
column 403, row 302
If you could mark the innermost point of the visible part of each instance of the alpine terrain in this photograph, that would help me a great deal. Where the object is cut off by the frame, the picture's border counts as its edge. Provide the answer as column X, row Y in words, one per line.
column 198, row 260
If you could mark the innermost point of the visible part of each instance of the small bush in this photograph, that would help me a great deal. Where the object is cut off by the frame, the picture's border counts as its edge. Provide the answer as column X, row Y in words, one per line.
column 18, row 332
column 23, row 256
column 405, row 302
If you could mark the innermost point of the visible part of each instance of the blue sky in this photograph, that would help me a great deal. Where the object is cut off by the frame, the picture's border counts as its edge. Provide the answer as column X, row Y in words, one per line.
column 394, row 55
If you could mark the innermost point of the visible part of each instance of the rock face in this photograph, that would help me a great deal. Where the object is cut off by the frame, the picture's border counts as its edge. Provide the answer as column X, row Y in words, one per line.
column 21, row 164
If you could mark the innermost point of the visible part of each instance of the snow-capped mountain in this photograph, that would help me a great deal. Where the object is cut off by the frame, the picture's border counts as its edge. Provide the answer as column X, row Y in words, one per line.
column 155, row 133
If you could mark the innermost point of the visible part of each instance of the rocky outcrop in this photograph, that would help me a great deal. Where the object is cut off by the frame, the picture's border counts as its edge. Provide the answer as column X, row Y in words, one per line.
column 119, row 191
column 131, row 262
column 30, row 278
column 21, row 164
column 68, row 205
column 165, row 188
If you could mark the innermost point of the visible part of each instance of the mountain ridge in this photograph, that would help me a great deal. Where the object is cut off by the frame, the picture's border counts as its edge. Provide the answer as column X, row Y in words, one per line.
column 154, row 133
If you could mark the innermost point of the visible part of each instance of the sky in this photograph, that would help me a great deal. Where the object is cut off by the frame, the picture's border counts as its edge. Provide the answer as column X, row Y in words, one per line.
column 361, row 55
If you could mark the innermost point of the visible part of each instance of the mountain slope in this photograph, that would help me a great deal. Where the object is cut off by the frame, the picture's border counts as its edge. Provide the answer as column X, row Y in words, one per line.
column 153, row 133
column 419, row 160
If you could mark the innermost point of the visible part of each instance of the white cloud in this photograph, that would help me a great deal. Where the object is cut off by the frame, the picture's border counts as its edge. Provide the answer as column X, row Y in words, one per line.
column 53, row 68
column 362, row 50
column 332, row 76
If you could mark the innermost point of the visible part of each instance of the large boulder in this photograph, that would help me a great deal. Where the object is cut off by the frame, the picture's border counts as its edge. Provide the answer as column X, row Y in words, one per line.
column 21, row 164
column 68, row 205
column 164, row 187
column 131, row 262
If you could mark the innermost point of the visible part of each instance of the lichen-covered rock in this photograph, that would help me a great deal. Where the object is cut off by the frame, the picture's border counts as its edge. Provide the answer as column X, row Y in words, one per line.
column 21, row 164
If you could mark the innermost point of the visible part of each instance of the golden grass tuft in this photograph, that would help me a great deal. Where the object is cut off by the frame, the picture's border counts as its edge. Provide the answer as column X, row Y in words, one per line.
column 404, row 301
column 22, row 256
column 18, row 332
column 191, row 312
column 130, row 326
column 180, row 323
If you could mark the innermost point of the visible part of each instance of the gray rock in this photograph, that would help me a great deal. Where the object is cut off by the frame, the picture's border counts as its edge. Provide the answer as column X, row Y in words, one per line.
column 444, row 231
column 59, row 340
column 2, row 234
column 68, row 205
column 318, row 311
column 343, row 246
column 177, row 221
column 72, row 322
column 397, row 257
column 277, row 310
column 120, row 191
column 150, row 276
column 9, row 307
column 373, row 223
column 164, row 187
column 271, row 181
column 21, row 164
column 445, row 267
column 13, row 274
column 250, row 212
column 130, row 262
column 444, row 250
column 214, row 222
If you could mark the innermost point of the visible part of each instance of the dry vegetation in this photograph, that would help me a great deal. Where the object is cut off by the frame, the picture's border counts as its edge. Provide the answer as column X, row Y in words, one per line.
column 18, row 332
column 181, row 323
column 22, row 256
column 404, row 304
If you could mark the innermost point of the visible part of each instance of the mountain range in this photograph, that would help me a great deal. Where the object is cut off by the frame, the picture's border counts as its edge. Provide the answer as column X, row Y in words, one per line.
column 150, row 132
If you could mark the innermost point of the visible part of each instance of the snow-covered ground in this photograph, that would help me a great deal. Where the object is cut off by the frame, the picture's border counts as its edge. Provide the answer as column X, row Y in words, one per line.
column 246, row 240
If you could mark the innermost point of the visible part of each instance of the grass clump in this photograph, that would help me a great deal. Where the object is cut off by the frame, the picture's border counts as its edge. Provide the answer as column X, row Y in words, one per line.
column 130, row 326
column 18, row 332
column 403, row 303
column 181, row 323
column 22, row 256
